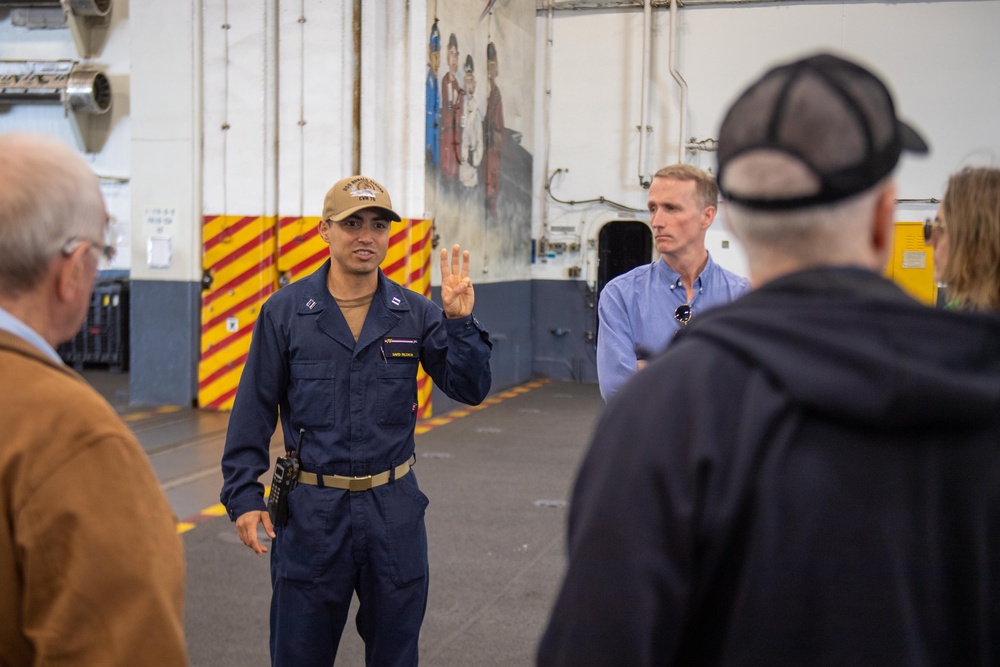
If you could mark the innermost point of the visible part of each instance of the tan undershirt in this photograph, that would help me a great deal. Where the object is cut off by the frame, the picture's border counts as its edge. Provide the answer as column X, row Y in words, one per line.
column 355, row 311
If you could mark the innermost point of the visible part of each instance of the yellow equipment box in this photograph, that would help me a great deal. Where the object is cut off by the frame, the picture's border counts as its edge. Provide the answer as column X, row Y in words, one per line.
column 911, row 263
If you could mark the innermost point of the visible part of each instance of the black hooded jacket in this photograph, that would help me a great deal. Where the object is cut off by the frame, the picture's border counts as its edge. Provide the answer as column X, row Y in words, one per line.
column 808, row 476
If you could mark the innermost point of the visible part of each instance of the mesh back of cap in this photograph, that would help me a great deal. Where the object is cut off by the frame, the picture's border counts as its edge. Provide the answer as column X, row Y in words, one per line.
column 833, row 117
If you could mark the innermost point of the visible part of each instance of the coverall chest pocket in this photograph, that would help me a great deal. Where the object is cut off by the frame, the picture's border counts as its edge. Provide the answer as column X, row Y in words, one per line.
column 312, row 393
column 397, row 393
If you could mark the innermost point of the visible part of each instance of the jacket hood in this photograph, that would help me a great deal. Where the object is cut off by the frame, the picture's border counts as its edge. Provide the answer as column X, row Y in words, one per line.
column 850, row 344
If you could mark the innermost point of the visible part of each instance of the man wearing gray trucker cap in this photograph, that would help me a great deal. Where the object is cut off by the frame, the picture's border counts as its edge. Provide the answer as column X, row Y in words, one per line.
column 811, row 474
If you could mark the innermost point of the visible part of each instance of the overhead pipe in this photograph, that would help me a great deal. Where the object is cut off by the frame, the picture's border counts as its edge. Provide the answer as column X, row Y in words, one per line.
column 77, row 7
column 272, row 137
column 647, row 47
column 356, row 104
column 678, row 78
column 579, row 5
column 547, row 113
column 79, row 88
column 198, row 136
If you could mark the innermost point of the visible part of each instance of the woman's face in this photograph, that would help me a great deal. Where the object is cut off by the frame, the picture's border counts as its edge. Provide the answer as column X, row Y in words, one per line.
column 939, row 241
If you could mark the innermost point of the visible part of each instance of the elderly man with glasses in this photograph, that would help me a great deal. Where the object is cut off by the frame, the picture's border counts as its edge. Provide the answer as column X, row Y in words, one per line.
column 91, row 567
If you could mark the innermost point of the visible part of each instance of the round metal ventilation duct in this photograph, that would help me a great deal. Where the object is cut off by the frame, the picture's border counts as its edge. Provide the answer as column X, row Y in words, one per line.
column 78, row 7
column 80, row 88
column 88, row 91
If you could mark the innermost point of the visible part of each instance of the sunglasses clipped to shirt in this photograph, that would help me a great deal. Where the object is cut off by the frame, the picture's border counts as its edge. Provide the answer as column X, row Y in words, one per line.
column 683, row 314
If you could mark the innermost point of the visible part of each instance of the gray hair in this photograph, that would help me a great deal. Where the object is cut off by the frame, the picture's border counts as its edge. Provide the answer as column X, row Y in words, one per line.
column 49, row 194
column 833, row 233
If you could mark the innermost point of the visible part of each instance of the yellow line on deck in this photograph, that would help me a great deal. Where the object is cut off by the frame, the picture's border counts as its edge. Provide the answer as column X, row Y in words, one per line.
column 218, row 510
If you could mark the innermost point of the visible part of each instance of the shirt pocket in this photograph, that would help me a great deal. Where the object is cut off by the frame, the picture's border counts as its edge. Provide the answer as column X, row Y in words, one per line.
column 397, row 393
column 312, row 394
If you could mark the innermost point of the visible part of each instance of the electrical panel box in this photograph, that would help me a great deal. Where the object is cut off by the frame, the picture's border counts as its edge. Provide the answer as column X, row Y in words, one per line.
column 911, row 262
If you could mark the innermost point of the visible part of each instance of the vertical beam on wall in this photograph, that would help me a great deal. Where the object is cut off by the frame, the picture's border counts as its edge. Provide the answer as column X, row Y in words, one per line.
column 165, row 103
column 197, row 118
column 271, row 134
column 356, row 88
column 368, row 65
column 392, row 100
column 315, row 104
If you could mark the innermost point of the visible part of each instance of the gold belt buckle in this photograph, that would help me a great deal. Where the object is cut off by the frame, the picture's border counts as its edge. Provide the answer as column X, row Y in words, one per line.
column 359, row 483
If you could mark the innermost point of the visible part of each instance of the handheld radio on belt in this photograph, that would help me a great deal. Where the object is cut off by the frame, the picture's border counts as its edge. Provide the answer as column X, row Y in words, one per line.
column 286, row 471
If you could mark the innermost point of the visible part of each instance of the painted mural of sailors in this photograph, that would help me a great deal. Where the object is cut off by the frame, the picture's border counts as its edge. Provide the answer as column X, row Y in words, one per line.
column 433, row 100
column 471, row 154
column 493, row 132
column 451, row 115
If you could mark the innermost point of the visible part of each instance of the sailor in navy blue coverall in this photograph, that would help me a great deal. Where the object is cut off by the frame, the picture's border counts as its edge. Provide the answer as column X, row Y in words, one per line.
column 348, row 402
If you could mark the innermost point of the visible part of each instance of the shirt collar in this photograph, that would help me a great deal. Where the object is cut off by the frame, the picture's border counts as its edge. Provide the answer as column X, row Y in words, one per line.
column 318, row 296
column 15, row 326
column 674, row 278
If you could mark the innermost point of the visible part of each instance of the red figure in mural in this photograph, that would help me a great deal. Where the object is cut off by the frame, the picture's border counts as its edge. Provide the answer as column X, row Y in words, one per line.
column 493, row 132
column 451, row 115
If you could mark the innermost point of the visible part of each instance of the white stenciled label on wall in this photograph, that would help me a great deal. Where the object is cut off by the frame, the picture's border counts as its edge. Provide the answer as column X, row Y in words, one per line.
column 160, row 218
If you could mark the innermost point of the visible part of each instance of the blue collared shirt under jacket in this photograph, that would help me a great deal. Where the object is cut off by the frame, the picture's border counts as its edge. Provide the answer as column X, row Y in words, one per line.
column 355, row 403
column 10, row 323
column 636, row 314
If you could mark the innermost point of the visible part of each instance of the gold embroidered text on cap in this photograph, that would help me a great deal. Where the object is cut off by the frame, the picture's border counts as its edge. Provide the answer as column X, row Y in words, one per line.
column 352, row 194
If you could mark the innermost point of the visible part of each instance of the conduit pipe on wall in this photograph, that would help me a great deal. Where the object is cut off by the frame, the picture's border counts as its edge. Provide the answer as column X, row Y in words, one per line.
column 695, row 3
column 578, row 5
column 647, row 48
column 198, row 138
column 678, row 78
column 356, row 109
column 80, row 88
column 546, row 113
column 272, row 135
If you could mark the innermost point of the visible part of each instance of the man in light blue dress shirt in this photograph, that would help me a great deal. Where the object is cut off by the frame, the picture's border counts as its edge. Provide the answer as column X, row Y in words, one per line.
column 640, row 311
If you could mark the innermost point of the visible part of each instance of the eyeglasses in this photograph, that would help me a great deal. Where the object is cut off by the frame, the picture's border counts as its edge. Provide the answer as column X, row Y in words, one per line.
column 107, row 250
column 932, row 227
column 683, row 314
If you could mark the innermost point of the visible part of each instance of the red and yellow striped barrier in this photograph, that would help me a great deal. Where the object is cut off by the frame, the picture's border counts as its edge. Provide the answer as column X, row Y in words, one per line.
column 300, row 249
column 408, row 262
column 245, row 257
column 239, row 256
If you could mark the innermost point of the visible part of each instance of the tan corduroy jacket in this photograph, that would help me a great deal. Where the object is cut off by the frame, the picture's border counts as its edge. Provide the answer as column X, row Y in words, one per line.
column 91, row 566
